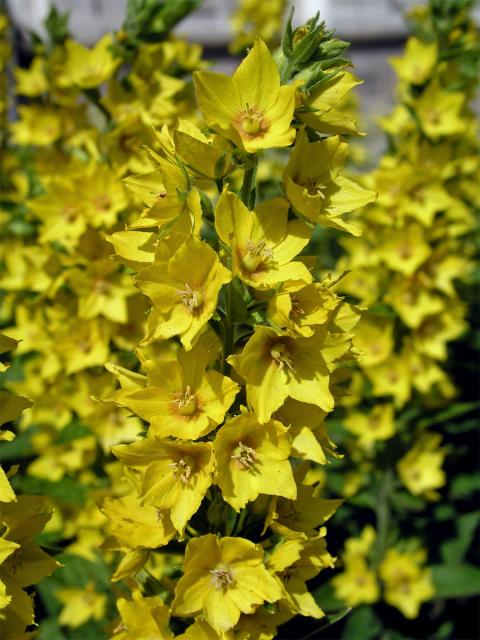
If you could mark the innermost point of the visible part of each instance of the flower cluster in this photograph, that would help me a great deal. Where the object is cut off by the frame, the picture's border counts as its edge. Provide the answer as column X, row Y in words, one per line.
column 414, row 248
column 71, row 307
column 242, row 356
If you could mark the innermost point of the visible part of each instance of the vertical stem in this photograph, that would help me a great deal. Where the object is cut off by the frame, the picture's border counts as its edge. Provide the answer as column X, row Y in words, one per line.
column 383, row 517
column 248, row 191
column 228, row 326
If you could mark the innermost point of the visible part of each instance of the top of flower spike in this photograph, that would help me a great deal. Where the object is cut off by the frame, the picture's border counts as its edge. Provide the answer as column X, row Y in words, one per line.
column 250, row 108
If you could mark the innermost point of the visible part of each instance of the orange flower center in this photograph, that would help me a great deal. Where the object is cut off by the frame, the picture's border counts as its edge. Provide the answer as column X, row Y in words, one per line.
column 256, row 255
column 251, row 123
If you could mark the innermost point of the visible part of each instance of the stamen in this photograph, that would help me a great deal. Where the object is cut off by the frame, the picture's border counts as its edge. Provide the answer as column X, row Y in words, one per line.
column 193, row 300
column 221, row 578
column 181, row 470
column 244, row 455
column 257, row 254
column 280, row 354
column 296, row 309
column 185, row 402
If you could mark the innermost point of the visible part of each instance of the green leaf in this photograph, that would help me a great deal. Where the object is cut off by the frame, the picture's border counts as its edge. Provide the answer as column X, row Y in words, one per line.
column 326, row 622
column 362, row 624
column 404, row 501
column 453, row 551
column 72, row 431
column 67, row 489
column 325, row 598
column 454, row 411
column 464, row 484
column 456, row 581
column 56, row 24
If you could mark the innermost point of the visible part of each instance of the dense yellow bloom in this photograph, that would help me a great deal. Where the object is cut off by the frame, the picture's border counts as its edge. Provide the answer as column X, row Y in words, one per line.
column 276, row 366
column 262, row 242
column 407, row 583
column 250, row 108
column 184, row 292
column 252, row 459
column 222, row 579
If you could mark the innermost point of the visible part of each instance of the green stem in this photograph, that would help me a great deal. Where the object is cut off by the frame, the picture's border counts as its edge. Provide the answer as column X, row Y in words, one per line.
column 248, row 191
column 383, row 517
column 93, row 95
column 228, row 327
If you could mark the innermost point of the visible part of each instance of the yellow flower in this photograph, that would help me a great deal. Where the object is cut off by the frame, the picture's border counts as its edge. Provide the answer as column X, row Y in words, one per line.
column 181, row 399
column 223, row 577
column 262, row 242
column 38, row 126
column 176, row 475
column 80, row 605
column 276, row 366
column 89, row 68
column 420, row 469
column 303, row 515
column 184, row 292
column 62, row 214
column 102, row 290
column 134, row 525
column 405, row 249
column 142, row 618
column 22, row 562
column 84, row 343
column 440, row 112
column 296, row 560
column 373, row 339
column 298, row 309
column 357, row 584
column 104, row 196
column 407, row 583
column 204, row 157
column 378, row 424
column 252, row 459
column 250, row 108
column 307, row 430
column 418, row 61
column 316, row 189
column 31, row 82
column 322, row 112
